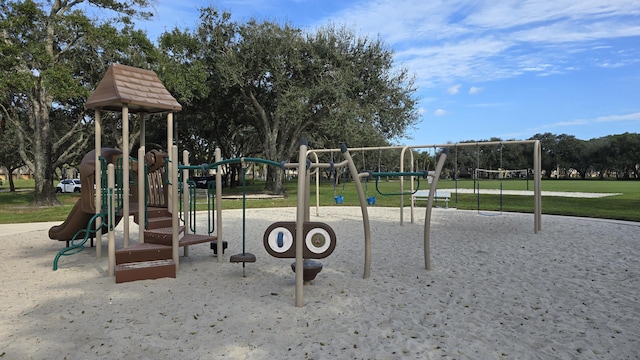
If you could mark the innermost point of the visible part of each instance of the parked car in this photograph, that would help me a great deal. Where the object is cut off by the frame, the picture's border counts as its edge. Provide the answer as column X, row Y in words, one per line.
column 202, row 182
column 69, row 185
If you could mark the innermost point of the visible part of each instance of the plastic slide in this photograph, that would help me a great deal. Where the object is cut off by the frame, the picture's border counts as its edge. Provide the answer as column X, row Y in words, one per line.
column 84, row 209
column 76, row 220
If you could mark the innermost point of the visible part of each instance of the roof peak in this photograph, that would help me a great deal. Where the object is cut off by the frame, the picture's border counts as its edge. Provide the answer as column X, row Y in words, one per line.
column 140, row 89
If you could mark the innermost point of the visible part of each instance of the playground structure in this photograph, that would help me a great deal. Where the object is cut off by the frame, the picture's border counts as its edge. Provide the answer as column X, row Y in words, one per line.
column 156, row 253
column 156, row 196
column 126, row 89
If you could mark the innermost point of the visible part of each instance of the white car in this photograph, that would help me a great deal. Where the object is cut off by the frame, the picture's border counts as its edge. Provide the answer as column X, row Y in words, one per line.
column 69, row 185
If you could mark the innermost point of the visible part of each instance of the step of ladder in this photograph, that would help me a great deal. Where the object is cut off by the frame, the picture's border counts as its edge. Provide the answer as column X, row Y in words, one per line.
column 145, row 270
column 143, row 252
column 161, row 236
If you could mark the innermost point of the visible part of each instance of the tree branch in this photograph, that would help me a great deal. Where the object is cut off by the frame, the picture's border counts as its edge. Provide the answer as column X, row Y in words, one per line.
column 22, row 150
column 262, row 114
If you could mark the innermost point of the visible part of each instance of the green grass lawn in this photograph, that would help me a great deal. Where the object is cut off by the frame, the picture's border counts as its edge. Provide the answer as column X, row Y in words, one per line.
column 14, row 207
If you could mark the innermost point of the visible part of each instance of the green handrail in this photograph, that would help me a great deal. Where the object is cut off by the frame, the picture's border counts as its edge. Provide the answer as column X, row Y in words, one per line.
column 229, row 161
column 192, row 205
column 74, row 247
column 211, row 185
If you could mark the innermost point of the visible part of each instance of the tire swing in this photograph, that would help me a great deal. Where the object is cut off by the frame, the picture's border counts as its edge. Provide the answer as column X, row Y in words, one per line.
column 244, row 257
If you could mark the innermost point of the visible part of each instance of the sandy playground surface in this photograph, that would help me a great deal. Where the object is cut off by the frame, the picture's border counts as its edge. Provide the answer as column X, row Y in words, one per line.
column 496, row 291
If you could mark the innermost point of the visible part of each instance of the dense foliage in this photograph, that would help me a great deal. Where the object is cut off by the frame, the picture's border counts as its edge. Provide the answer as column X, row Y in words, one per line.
column 563, row 156
column 268, row 85
column 51, row 54
column 251, row 89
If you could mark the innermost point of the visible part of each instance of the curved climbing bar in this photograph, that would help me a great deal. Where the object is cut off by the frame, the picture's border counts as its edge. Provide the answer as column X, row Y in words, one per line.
column 363, row 208
column 427, row 217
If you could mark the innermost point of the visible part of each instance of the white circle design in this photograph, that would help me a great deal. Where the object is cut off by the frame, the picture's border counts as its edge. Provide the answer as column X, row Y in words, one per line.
column 287, row 239
column 315, row 249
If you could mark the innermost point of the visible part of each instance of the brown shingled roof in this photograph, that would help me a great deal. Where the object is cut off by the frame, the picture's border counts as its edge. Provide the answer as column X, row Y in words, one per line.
column 140, row 89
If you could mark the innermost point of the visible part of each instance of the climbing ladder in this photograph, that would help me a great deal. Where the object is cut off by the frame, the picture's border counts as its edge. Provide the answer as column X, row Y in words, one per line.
column 152, row 258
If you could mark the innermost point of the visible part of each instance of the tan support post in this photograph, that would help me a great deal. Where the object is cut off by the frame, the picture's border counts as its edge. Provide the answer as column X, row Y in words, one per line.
column 170, row 152
column 142, row 216
column 112, row 234
column 302, row 162
column 185, row 197
column 219, row 205
column 537, row 187
column 175, row 222
column 125, row 174
column 98, row 179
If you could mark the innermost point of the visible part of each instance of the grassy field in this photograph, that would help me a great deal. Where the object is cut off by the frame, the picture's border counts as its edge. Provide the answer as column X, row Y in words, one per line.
column 14, row 207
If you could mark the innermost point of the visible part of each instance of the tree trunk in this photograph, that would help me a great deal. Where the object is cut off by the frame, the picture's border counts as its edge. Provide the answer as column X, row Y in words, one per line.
column 275, row 175
column 12, row 185
column 270, row 127
column 275, row 180
column 44, row 194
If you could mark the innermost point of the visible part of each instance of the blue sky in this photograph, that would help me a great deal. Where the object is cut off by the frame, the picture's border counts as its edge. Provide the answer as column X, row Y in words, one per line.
column 483, row 68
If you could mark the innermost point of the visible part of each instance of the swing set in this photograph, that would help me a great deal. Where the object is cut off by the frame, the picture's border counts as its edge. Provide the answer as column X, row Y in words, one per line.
column 537, row 211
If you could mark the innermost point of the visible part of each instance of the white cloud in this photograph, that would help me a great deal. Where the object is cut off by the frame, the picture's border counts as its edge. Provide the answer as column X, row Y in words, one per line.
column 612, row 118
column 537, row 68
column 611, row 66
column 487, row 105
column 475, row 90
column 458, row 40
column 454, row 89
column 584, row 122
column 440, row 112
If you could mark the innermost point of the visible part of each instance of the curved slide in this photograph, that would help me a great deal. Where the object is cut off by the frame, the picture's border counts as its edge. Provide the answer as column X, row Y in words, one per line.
column 76, row 220
column 84, row 209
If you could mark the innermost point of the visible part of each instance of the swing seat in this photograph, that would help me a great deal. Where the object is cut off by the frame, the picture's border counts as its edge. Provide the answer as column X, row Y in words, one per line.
column 371, row 200
column 339, row 199
column 243, row 258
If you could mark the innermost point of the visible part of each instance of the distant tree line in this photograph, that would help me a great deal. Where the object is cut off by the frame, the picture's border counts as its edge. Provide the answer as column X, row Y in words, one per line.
column 615, row 156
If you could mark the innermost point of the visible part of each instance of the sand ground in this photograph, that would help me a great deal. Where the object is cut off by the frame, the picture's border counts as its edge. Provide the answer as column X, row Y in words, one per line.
column 496, row 291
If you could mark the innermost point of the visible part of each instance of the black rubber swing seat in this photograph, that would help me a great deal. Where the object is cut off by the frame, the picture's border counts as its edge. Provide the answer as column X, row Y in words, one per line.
column 243, row 258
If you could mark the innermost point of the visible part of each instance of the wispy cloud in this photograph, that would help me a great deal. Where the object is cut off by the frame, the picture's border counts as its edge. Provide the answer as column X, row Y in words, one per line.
column 475, row 90
column 487, row 105
column 632, row 117
column 612, row 118
column 440, row 112
column 461, row 41
column 454, row 89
